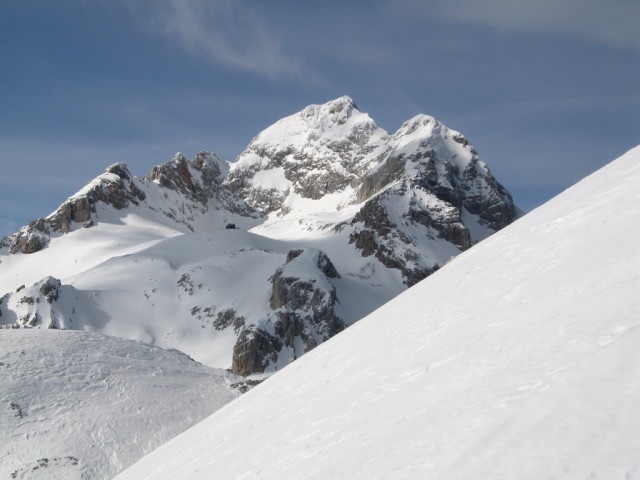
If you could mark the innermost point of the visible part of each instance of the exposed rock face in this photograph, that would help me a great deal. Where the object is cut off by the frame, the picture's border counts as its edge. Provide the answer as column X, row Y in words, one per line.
column 115, row 187
column 31, row 238
column 428, row 156
column 305, row 307
column 197, row 179
column 76, row 209
column 303, row 300
column 50, row 289
column 254, row 350
column 446, row 165
column 247, row 384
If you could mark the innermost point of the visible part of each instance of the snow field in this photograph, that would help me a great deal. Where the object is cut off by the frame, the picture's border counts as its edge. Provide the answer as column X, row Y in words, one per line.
column 91, row 405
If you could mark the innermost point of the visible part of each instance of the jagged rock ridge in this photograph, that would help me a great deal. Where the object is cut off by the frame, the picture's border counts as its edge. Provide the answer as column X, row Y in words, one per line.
column 191, row 183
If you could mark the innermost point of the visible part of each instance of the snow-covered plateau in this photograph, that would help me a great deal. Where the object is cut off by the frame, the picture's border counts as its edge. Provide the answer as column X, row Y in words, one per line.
column 518, row 359
column 77, row 405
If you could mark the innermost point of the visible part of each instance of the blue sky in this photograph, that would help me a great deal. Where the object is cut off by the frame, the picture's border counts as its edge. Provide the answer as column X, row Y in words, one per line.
column 547, row 91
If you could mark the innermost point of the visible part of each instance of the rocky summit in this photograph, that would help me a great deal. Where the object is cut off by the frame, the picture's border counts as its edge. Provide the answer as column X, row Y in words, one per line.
column 247, row 265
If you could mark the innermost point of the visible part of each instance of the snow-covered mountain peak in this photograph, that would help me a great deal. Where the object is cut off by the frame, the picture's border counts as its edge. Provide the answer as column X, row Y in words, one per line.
column 319, row 151
column 119, row 169
column 345, row 102
column 315, row 124
column 178, row 157
column 112, row 178
column 334, row 113
column 434, row 139
column 338, row 154
column 418, row 121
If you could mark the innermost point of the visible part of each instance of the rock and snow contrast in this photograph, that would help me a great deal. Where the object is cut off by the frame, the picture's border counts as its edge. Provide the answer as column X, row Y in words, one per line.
column 77, row 405
column 323, row 218
column 519, row 359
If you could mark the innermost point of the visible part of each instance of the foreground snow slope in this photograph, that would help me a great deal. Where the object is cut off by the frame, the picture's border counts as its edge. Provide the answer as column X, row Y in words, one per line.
column 78, row 405
column 519, row 359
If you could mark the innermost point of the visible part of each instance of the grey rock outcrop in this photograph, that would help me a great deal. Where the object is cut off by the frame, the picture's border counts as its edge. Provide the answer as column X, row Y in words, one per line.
column 30, row 239
column 116, row 187
column 50, row 289
column 197, row 179
column 197, row 182
column 254, row 351
column 76, row 209
column 303, row 300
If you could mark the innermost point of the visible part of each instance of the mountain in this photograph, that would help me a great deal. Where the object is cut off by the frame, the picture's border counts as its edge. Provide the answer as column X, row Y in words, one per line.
column 394, row 197
column 519, row 359
column 321, row 219
column 79, row 405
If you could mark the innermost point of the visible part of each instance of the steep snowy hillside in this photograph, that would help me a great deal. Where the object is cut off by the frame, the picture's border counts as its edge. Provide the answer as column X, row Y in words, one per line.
column 519, row 360
column 77, row 405
column 333, row 217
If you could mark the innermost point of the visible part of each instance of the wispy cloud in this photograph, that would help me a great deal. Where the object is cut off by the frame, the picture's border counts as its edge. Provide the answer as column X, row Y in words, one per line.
column 230, row 33
column 611, row 22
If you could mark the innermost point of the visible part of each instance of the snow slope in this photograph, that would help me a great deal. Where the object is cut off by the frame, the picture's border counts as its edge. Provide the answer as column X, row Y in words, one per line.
column 519, row 359
column 174, row 291
column 77, row 405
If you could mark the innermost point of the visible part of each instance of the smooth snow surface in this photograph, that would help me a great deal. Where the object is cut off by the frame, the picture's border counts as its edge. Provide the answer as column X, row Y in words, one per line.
column 76, row 405
column 519, row 359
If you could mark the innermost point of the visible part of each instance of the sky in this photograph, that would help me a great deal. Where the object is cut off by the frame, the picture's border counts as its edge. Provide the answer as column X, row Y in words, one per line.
column 546, row 91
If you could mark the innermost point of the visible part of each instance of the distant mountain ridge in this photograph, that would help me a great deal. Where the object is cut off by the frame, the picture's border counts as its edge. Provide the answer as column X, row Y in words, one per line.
column 333, row 216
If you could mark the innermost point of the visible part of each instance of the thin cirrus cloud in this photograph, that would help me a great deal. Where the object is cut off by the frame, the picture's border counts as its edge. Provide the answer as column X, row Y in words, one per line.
column 228, row 33
column 610, row 22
